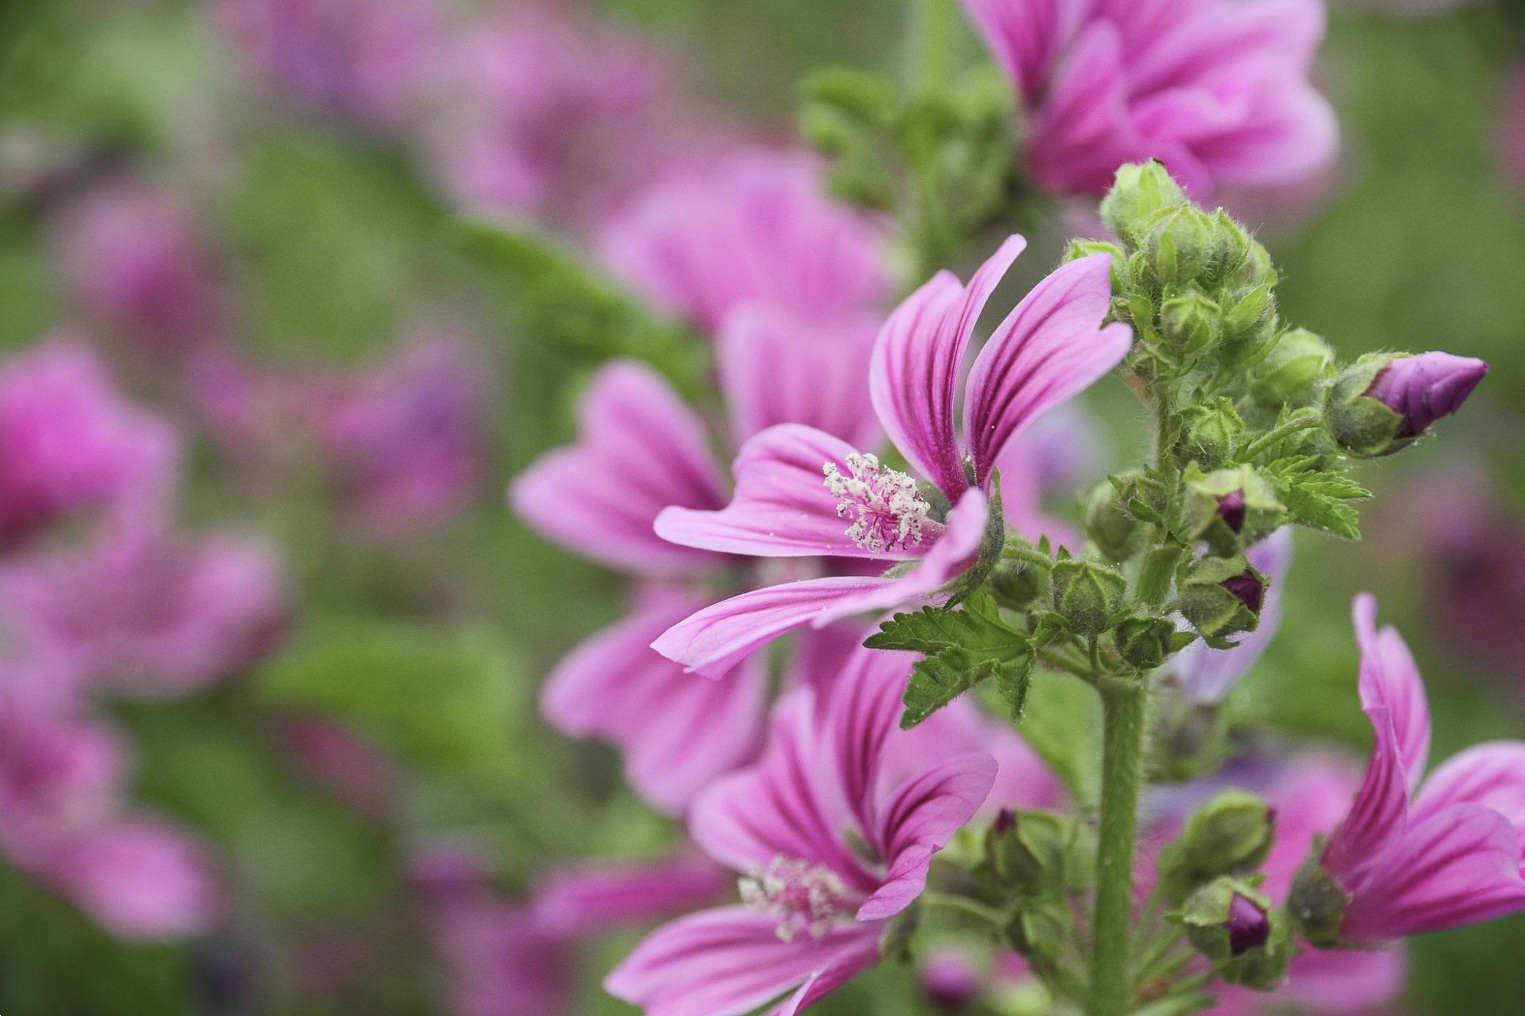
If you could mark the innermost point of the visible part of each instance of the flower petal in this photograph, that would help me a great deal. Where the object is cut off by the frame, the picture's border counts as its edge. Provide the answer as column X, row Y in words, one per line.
column 1390, row 678
column 855, row 957
column 1491, row 774
column 1343, row 980
column 1460, row 866
column 1050, row 347
column 590, row 898
column 677, row 731
column 913, row 376
column 726, row 962
column 1378, row 815
column 918, row 819
column 776, row 367
column 641, row 449
column 781, row 507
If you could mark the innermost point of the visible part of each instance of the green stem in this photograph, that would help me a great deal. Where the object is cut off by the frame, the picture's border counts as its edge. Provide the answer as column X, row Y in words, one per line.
column 964, row 905
column 1270, row 437
column 931, row 44
column 1068, row 662
column 1121, row 766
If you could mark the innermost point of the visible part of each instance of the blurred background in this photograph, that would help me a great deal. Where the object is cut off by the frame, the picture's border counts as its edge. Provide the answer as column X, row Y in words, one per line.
column 303, row 638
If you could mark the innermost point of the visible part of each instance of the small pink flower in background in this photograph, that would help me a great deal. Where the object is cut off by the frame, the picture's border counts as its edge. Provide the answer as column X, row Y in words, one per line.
column 1414, row 856
column 748, row 227
column 69, row 440
column 140, row 609
column 63, row 820
column 362, row 59
column 405, row 441
column 545, row 114
column 133, row 261
column 801, row 492
column 343, row 762
column 1512, row 129
column 1216, row 89
column 814, row 907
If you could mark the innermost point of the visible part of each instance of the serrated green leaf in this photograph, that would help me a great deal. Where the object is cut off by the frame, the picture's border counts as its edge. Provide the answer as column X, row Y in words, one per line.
column 938, row 680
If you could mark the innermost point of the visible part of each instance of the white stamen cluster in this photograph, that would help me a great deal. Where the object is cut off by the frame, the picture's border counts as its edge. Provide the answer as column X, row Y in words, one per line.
column 803, row 896
column 886, row 508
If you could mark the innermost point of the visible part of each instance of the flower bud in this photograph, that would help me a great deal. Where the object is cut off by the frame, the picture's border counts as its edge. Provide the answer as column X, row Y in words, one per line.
column 1222, row 597
column 1016, row 581
column 1234, row 927
column 1230, row 246
column 1293, row 371
column 1116, row 533
column 1138, row 192
column 1229, row 835
column 1316, row 904
column 1190, row 323
column 1209, row 434
column 951, row 981
column 1144, row 642
column 1087, row 594
column 1179, row 244
column 1041, row 935
column 1232, row 504
column 1256, row 268
column 1027, row 851
column 1383, row 402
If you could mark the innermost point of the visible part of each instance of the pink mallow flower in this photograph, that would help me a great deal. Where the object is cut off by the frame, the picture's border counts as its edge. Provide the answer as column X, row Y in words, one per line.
column 1216, row 89
column 63, row 820
column 69, row 440
column 405, row 441
column 1412, row 857
column 134, row 262
column 832, row 840
column 543, row 114
column 747, row 228
column 142, row 610
column 363, row 59
column 801, row 492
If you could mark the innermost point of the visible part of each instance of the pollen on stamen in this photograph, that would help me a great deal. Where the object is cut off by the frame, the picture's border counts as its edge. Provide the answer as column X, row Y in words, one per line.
column 884, row 505
column 803, row 896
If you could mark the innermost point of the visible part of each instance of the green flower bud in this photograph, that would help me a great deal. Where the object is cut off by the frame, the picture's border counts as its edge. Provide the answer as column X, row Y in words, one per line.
column 1087, row 595
column 1116, row 533
column 1179, row 244
column 1222, row 597
column 1029, row 852
column 1256, row 268
column 1230, row 246
column 1085, row 248
column 1017, row 582
column 1209, row 434
column 1231, row 507
column 1190, row 323
column 1234, row 926
column 1229, row 835
column 1293, row 372
column 1144, row 642
column 1317, row 904
column 1383, row 402
column 1041, row 935
column 1138, row 192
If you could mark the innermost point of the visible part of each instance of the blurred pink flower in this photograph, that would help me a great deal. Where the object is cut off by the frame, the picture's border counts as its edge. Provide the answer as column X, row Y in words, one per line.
column 63, row 820
column 1411, row 857
column 1048, row 349
column 749, row 227
column 814, row 909
column 543, row 113
column 363, row 59
column 142, row 610
column 1217, row 89
column 405, row 441
column 345, row 763
column 133, row 261
column 1512, row 129
column 70, row 440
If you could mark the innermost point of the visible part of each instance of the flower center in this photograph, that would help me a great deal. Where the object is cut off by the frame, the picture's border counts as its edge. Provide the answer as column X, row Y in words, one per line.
column 885, row 507
column 803, row 896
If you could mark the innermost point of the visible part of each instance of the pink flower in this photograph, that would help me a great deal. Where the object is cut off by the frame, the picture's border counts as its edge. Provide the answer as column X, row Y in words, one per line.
column 69, row 440
column 592, row 897
column 1217, row 89
column 1049, row 348
column 63, row 820
column 1512, row 130
column 1411, row 857
column 830, row 846
column 355, row 58
column 405, row 440
column 1423, row 388
column 1208, row 674
column 343, row 762
column 142, row 610
column 133, row 261
column 750, row 227
column 542, row 113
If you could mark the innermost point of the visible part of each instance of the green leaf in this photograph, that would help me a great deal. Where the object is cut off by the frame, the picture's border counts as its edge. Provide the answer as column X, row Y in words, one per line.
column 1316, row 498
column 963, row 647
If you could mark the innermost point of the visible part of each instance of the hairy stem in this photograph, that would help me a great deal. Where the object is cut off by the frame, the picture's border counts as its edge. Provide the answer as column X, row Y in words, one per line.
column 932, row 43
column 1122, row 757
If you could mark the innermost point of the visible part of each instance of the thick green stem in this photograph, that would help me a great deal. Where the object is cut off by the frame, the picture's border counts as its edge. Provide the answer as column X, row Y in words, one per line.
column 932, row 43
column 1121, row 765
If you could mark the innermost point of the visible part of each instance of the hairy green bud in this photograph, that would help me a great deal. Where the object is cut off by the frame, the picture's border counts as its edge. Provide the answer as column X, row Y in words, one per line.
column 1222, row 597
column 1018, row 581
column 1209, row 434
column 1317, row 904
column 1144, row 642
column 1087, row 595
column 1115, row 532
column 1031, row 852
column 1190, row 323
column 1294, row 372
column 1179, row 244
column 1229, row 835
column 1230, row 508
column 1138, row 192
column 1233, row 925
